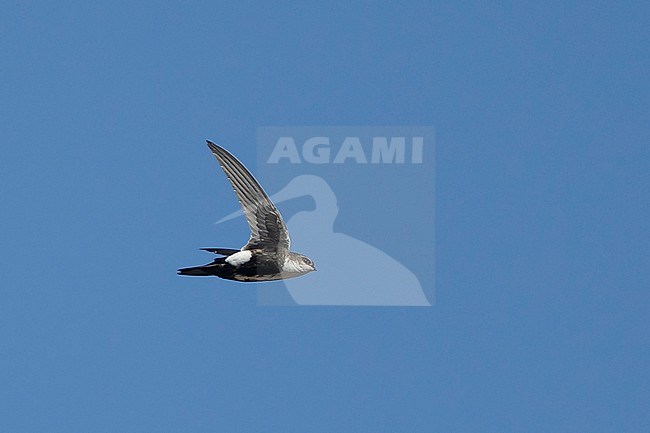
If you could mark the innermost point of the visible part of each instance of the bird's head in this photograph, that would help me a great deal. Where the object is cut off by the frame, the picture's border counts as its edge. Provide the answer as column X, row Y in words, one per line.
column 304, row 263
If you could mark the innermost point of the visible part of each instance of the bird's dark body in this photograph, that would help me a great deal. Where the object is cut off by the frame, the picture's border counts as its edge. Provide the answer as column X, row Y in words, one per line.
column 262, row 266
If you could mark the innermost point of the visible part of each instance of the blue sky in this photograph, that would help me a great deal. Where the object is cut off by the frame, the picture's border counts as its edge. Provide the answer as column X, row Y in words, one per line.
column 541, row 315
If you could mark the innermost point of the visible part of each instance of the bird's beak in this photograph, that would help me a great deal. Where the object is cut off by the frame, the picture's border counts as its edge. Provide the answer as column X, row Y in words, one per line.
column 231, row 216
column 290, row 191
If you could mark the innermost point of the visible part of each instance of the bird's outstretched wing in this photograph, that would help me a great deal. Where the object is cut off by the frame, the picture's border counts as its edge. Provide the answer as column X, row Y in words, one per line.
column 268, row 231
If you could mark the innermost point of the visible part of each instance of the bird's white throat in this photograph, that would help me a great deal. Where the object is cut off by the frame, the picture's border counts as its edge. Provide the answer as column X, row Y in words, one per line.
column 295, row 266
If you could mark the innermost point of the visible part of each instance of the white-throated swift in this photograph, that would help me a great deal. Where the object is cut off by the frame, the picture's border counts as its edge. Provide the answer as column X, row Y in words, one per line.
column 266, row 256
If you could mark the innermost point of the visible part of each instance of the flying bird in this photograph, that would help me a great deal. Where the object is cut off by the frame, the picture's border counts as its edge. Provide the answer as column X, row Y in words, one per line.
column 266, row 255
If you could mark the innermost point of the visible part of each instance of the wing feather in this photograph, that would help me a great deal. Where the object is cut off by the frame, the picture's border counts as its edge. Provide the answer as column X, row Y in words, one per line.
column 268, row 230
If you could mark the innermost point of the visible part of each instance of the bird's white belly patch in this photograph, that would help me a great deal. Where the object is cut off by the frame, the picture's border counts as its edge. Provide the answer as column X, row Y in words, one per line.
column 239, row 258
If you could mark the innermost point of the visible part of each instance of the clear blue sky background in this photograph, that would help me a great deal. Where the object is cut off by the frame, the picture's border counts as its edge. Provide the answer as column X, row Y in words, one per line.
column 542, row 247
